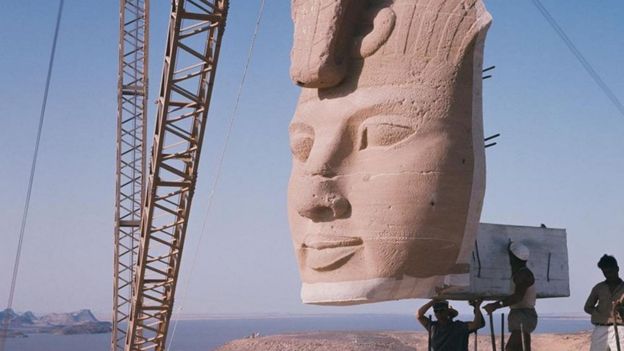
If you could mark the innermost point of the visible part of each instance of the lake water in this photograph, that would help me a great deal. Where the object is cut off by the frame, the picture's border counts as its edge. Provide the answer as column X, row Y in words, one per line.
column 206, row 335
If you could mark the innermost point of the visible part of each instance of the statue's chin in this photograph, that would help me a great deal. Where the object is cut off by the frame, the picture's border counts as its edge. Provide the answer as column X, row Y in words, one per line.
column 378, row 289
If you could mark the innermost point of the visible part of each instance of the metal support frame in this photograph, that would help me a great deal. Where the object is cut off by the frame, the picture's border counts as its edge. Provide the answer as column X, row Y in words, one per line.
column 131, row 155
column 195, row 31
column 492, row 335
column 429, row 332
column 503, row 332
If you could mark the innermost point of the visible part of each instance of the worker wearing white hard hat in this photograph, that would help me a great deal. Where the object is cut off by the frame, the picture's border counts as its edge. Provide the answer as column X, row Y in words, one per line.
column 519, row 250
column 522, row 319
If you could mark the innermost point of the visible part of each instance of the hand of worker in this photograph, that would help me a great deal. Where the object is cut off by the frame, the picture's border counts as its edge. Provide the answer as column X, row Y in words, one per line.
column 476, row 303
column 424, row 308
column 491, row 307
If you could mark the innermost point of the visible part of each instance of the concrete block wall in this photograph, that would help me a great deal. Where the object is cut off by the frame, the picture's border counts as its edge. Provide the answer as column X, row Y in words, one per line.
column 490, row 271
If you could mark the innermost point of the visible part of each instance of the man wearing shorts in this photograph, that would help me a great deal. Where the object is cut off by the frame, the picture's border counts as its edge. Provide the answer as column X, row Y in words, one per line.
column 604, row 304
column 522, row 319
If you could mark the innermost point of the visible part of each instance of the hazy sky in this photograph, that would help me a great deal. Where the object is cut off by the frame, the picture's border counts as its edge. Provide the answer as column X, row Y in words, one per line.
column 559, row 161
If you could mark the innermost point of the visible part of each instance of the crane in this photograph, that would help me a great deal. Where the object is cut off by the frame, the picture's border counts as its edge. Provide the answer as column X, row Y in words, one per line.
column 131, row 138
column 194, row 38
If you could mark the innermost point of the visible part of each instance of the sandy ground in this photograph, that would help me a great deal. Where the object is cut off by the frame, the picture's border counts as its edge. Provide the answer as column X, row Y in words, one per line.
column 395, row 341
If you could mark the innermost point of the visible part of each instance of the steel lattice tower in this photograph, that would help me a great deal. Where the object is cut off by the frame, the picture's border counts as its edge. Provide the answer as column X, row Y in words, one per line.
column 131, row 155
column 194, row 36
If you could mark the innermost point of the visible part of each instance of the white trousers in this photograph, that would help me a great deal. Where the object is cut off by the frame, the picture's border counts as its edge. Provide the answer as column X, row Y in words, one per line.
column 603, row 338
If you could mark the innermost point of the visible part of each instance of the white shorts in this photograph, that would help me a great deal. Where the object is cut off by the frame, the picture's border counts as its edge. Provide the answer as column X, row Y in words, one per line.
column 603, row 338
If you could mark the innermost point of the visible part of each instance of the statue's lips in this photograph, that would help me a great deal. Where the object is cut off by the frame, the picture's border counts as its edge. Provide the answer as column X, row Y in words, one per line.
column 328, row 252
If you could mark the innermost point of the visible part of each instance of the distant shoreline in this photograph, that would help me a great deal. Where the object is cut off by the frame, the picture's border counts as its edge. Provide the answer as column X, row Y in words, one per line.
column 208, row 317
column 203, row 335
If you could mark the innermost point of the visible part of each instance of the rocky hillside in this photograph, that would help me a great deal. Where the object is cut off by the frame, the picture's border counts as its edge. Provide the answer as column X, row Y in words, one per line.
column 73, row 318
column 81, row 322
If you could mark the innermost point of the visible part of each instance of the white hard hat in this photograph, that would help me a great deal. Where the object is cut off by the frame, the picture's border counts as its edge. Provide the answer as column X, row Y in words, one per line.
column 519, row 250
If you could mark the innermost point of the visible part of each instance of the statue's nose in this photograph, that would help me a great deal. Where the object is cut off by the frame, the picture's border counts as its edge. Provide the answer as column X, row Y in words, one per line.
column 321, row 202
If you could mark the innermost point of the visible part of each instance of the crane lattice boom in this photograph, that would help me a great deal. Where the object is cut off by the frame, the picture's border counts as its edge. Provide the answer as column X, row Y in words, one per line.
column 195, row 31
column 131, row 137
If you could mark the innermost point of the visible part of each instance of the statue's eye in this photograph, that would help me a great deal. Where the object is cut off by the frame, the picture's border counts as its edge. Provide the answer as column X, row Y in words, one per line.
column 300, row 147
column 383, row 134
column 301, row 141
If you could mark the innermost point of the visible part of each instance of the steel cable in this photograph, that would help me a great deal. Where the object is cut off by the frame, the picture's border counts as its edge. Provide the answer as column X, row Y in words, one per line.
column 6, row 321
column 579, row 56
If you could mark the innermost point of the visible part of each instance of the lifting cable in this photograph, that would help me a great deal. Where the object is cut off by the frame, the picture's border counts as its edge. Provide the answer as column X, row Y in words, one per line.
column 5, row 323
column 219, row 166
column 579, row 56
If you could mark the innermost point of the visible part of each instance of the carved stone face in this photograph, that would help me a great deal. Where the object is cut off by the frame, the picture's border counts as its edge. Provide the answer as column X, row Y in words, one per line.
column 378, row 188
column 385, row 183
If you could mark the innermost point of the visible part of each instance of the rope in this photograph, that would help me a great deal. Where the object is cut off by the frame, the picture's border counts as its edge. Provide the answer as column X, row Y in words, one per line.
column 219, row 167
column 579, row 56
column 5, row 322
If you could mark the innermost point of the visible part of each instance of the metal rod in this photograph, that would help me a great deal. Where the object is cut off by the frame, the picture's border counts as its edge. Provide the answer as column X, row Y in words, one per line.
column 429, row 332
column 617, row 332
column 476, row 340
column 478, row 259
column 502, row 331
column 488, row 69
column 492, row 335
column 492, row 137
column 548, row 268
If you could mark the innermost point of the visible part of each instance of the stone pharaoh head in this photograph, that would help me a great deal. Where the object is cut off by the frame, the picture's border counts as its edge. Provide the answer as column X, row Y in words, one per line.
column 388, row 169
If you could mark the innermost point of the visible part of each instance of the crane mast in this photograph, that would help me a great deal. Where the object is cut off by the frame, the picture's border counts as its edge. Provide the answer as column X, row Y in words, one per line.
column 194, row 37
column 131, row 137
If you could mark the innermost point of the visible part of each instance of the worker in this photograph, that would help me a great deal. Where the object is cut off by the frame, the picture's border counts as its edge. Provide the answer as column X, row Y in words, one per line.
column 446, row 333
column 604, row 304
column 522, row 319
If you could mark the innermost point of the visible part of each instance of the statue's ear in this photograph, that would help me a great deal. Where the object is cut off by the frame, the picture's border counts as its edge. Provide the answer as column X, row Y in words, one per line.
column 380, row 23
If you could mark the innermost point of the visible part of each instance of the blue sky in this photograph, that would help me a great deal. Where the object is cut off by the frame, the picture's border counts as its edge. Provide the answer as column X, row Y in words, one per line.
column 559, row 161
